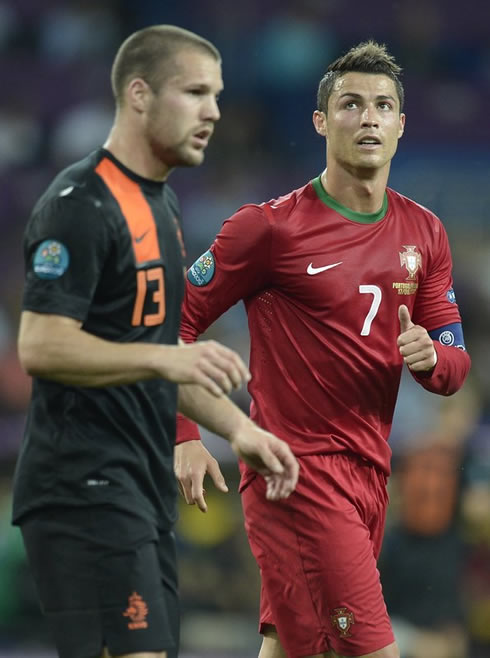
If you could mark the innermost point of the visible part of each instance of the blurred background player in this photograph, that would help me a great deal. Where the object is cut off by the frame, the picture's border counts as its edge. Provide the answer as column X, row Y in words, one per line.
column 94, row 490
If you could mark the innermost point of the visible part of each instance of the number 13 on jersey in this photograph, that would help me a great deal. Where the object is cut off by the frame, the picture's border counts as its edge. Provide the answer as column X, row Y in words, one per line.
column 149, row 282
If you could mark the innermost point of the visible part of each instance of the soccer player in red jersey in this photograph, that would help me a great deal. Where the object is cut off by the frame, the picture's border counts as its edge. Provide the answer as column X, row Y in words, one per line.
column 344, row 280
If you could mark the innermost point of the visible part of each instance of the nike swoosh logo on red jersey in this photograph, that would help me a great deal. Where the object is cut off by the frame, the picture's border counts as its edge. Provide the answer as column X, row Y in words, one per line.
column 317, row 270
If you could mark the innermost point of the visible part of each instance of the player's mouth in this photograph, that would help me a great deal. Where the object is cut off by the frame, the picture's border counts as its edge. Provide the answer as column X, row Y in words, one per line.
column 369, row 142
column 201, row 138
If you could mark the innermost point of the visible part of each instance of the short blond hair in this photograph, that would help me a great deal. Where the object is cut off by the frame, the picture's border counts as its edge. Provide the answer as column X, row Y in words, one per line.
column 149, row 53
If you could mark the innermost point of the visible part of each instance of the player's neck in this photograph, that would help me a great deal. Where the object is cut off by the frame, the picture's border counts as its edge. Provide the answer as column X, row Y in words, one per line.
column 358, row 193
column 133, row 151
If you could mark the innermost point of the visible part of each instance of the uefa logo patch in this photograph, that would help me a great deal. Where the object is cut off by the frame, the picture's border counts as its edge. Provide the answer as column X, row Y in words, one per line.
column 447, row 338
column 451, row 297
column 51, row 260
column 201, row 273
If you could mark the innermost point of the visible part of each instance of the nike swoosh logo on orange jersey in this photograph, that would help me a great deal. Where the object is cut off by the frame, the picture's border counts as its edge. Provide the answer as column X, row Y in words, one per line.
column 139, row 238
column 317, row 270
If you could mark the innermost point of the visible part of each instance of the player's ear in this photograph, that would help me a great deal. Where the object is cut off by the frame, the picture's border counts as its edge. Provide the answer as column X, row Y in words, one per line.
column 138, row 93
column 320, row 122
column 401, row 129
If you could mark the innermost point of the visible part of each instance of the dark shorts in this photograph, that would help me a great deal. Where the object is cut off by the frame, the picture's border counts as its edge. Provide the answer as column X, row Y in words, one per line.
column 104, row 578
column 317, row 553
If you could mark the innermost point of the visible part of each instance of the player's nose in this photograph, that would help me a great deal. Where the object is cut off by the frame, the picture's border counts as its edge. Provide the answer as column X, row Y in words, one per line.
column 369, row 117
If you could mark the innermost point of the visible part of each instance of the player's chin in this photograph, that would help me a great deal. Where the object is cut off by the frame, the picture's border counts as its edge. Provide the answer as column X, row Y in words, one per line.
column 192, row 157
column 373, row 160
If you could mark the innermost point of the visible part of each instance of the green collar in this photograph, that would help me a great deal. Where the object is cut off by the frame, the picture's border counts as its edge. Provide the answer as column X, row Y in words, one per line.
column 361, row 217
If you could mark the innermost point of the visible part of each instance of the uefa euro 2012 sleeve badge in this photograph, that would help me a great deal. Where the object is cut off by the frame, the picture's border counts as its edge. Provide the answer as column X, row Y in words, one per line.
column 202, row 271
column 51, row 260
column 343, row 619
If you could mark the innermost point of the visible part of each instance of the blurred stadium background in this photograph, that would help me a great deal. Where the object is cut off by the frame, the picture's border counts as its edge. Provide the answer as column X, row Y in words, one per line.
column 55, row 106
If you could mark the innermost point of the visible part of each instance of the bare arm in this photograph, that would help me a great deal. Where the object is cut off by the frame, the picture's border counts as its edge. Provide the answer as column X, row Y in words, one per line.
column 264, row 452
column 56, row 347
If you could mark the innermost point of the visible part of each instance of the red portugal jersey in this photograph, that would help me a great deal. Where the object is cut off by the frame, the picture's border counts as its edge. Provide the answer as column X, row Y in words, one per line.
column 322, row 286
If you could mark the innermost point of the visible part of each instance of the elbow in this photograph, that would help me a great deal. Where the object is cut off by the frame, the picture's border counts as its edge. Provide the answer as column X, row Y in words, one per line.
column 450, row 391
column 30, row 358
column 454, row 387
column 454, row 369
column 465, row 367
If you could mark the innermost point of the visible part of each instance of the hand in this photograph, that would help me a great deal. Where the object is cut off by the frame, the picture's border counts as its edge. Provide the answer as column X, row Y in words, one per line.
column 216, row 368
column 270, row 457
column 191, row 463
column 416, row 346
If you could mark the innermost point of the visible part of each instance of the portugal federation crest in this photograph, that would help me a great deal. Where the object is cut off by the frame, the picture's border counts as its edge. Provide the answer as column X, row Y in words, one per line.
column 411, row 259
column 343, row 620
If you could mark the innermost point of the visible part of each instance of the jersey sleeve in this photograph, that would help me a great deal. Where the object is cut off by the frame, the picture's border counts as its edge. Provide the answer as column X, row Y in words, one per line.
column 65, row 247
column 236, row 266
column 187, row 430
column 436, row 307
column 452, row 367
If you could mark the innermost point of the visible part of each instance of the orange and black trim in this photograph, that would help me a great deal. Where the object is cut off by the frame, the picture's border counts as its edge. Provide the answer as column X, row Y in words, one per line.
column 135, row 209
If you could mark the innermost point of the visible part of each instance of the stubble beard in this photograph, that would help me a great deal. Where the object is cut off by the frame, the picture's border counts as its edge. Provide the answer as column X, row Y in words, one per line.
column 179, row 155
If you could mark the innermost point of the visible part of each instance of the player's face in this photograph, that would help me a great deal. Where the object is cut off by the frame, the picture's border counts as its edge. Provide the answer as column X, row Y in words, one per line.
column 181, row 116
column 363, row 123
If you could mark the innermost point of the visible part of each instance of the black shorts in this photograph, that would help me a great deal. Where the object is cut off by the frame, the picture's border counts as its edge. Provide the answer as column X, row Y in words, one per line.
column 104, row 578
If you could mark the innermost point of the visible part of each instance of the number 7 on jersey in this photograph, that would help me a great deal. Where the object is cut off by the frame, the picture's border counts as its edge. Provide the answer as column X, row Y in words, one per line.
column 375, row 291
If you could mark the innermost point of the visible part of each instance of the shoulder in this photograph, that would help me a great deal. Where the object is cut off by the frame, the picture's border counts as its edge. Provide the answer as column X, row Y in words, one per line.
column 281, row 208
column 171, row 198
column 170, row 194
column 413, row 214
column 76, row 184
column 410, row 208
column 276, row 211
column 73, row 208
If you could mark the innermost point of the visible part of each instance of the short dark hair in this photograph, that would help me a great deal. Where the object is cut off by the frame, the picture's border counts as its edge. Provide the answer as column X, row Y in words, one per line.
column 366, row 57
column 148, row 54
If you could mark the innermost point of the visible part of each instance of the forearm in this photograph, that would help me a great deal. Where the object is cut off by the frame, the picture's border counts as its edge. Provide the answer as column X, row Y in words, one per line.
column 218, row 415
column 450, row 372
column 259, row 449
column 94, row 362
column 62, row 352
